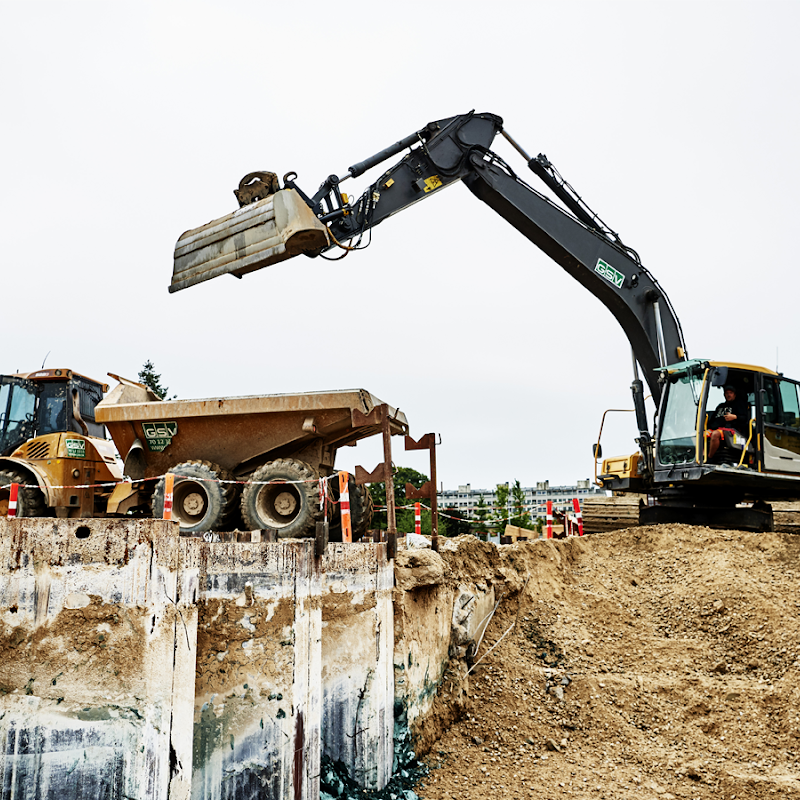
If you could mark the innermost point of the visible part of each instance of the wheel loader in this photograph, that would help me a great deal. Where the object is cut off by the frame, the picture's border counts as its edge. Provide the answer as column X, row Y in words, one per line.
column 51, row 443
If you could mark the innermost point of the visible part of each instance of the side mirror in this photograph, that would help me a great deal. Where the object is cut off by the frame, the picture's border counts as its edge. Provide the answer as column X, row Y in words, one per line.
column 597, row 450
column 719, row 377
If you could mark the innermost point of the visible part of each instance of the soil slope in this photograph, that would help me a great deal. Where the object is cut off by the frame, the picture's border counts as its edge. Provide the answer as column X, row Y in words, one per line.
column 658, row 662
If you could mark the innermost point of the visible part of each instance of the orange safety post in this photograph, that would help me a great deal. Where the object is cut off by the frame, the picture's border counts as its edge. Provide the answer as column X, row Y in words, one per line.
column 344, row 505
column 169, row 485
column 12, row 500
column 417, row 519
column 576, row 505
column 549, row 519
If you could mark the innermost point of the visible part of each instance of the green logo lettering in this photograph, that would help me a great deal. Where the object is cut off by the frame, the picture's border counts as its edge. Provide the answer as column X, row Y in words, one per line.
column 76, row 448
column 609, row 273
column 159, row 435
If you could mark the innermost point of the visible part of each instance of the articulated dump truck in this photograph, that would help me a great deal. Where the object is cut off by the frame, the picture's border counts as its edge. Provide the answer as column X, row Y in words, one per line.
column 252, row 462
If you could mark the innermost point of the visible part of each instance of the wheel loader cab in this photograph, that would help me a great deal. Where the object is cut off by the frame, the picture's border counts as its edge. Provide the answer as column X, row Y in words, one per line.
column 47, row 401
column 63, row 404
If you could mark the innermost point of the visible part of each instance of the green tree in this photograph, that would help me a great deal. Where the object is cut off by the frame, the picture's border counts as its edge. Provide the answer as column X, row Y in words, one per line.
column 457, row 524
column 499, row 518
column 152, row 379
column 402, row 476
column 519, row 516
column 482, row 514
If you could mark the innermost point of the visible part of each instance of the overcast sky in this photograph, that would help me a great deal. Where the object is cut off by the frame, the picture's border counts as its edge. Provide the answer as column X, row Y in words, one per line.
column 125, row 124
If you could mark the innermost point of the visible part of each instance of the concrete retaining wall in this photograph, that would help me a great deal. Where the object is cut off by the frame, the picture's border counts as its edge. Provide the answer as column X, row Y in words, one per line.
column 97, row 661
column 357, row 650
column 257, row 689
column 138, row 664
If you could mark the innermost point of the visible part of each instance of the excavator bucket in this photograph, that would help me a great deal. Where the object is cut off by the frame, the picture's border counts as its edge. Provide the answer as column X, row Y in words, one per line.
column 258, row 235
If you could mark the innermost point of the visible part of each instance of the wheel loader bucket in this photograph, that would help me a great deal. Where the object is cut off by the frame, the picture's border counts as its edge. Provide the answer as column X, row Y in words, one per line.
column 258, row 235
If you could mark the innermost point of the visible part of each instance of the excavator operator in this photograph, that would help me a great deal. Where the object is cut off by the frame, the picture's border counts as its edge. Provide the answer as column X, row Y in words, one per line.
column 731, row 414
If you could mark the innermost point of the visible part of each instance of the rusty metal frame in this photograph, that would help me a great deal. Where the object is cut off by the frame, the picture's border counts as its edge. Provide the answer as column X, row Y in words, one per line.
column 379, row 416
column 428, row 489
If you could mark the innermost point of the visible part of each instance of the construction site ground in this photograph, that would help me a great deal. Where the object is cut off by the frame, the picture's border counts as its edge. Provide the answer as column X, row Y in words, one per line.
column 658, row 662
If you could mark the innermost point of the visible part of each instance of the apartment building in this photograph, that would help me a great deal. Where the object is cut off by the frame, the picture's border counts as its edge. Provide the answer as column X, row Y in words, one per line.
column 465, row 499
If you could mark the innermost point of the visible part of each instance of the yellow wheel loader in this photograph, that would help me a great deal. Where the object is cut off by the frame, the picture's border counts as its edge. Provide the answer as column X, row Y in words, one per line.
column 51, row 445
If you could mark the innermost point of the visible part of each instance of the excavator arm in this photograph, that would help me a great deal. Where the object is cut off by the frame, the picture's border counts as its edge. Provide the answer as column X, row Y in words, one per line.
column 458, row 149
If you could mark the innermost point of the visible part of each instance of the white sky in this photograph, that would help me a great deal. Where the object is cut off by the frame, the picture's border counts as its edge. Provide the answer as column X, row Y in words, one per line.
column 125, row 124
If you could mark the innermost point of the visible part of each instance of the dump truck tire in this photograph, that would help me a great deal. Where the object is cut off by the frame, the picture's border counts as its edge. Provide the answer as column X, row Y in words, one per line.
column 199, row 501
column 283, row 498
column 30, row 501
column 361, row 511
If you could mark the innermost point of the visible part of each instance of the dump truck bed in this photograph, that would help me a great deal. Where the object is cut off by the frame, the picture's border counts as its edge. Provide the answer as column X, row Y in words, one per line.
column 240, row 433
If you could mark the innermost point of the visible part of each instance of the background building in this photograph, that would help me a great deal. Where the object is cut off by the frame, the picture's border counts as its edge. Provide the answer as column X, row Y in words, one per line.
column 465, row 499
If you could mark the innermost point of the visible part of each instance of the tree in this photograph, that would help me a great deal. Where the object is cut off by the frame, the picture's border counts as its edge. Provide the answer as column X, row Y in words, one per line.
column 519, row 516
column 482, row 514
column 402, row 476
column 457, row 524
column 499, row 517
column 150, row 378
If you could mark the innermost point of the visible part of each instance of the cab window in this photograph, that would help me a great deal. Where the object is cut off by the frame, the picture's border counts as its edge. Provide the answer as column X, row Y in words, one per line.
column 678, row 431
column 17, row 406
column 781, row 404
column 790, row 412
column 53, row 408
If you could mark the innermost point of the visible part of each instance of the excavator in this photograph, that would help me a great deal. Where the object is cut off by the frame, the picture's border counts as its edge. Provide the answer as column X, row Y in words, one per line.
column 759, row 460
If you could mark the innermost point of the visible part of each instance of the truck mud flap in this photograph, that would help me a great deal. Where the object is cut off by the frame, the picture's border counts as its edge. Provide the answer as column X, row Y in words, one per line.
column 258, row 235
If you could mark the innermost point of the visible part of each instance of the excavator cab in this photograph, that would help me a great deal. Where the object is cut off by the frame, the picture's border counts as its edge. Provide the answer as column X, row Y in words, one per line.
column 758, row 459
column 693, row 393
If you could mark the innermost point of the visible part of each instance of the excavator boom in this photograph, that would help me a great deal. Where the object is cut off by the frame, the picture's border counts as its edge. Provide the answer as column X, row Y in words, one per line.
column 442, row 153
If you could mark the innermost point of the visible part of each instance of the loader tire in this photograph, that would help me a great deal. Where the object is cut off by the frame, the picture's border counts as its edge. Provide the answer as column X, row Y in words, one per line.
column 30, row 501
column 361, row 511
column 283, row 497
column 199, row 501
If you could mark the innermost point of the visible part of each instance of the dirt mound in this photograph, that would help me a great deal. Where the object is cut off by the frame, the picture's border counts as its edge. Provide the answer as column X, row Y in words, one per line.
column 657, row 662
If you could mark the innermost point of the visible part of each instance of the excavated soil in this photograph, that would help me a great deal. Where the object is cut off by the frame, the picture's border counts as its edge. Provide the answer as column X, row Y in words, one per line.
column 658, row 662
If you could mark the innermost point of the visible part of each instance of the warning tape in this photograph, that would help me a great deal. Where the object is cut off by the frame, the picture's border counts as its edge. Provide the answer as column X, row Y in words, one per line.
column 277, row 481
column 488, row 522
column 109, row 484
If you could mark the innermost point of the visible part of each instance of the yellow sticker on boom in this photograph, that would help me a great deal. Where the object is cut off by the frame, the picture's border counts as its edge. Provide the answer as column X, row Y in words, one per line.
column 432, row 183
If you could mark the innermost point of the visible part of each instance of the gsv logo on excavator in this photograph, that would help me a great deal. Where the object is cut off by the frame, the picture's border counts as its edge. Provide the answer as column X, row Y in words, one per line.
column 609, row 273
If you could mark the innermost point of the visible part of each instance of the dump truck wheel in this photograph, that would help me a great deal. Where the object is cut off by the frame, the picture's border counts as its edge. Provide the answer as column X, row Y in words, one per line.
column 30, row 501
column 199, row 501
column 361, row 511
column 287, row 501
